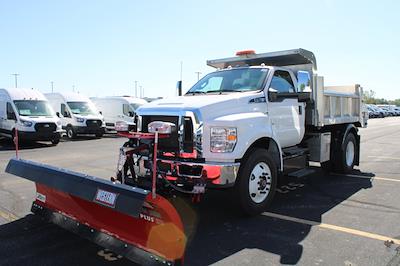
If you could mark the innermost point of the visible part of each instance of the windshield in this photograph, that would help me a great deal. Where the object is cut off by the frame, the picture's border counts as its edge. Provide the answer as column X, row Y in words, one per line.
column 82, row 108
column 231, row 80
column 33, row 108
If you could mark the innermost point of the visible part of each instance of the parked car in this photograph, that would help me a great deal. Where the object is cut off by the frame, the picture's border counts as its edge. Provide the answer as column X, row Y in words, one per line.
column 78, row 114
column 382, row 113
column 372, row 113
column 397, row 109
column 29, row 113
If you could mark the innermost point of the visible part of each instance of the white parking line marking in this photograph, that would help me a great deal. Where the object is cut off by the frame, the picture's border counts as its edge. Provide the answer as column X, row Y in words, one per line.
column 8, row 216
column 332, row 227
column 385, row 157
column 371, row 177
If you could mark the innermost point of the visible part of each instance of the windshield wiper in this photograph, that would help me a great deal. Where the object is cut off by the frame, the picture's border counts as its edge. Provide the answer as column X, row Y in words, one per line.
column 222, row 91
column 196, row 92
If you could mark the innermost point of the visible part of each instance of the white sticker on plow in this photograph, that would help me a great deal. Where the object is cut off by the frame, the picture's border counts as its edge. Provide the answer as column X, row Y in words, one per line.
column 41, row 197
column 105, row 197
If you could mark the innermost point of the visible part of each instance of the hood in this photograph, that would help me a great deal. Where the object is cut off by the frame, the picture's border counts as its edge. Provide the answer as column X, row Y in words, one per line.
column 210, row 105
column 40, row 119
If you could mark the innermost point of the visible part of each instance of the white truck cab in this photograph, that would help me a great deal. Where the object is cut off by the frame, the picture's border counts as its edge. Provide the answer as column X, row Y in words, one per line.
column 28, row 112
column 78, row 114
column 120, row 109
column 256, row 118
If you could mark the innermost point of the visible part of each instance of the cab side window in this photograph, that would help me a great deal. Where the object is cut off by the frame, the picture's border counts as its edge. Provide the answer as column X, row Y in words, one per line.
column 10, row 112
column 64, row 111
column 282, row 82
column 125, row 109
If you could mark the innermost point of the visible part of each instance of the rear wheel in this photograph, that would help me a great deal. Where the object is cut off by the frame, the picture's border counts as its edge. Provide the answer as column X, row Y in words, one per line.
column 347, row 157
column 256, row 184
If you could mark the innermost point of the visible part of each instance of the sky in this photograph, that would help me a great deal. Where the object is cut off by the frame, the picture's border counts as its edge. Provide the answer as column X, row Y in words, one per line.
column 101, row 48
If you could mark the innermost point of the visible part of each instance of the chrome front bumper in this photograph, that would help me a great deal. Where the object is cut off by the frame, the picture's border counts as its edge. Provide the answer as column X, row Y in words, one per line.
column 216, row 174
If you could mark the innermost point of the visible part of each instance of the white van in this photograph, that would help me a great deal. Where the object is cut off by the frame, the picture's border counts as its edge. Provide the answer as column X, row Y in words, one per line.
column 118, row 109
column 78, row 114
column 28, row 112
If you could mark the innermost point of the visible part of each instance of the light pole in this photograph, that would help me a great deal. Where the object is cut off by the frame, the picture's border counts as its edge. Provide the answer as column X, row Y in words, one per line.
column 73, row 88
column 136, row 88
column 52, row 87
column 16, row 79
column 198, row 75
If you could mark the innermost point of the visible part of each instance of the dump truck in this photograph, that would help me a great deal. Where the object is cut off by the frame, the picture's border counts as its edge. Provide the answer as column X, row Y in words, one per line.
column 255, row 119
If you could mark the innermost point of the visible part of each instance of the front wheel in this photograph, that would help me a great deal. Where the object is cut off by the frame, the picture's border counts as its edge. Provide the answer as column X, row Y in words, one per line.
column 256, row 184
column 70, row 133
column 55, row 141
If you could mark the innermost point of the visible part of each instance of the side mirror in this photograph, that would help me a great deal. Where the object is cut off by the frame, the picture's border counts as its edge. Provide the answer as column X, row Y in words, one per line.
column 304, row 96
column 303, row 81
column 58, row 114
column 66, row 114
column 100, row 112
column 272, row 94
column 131, row 114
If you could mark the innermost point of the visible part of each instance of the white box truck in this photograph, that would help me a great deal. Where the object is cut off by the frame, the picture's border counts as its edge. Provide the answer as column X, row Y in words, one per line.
column 120, row 109
column 78, row 114
column 28, row 112
column 254, row 119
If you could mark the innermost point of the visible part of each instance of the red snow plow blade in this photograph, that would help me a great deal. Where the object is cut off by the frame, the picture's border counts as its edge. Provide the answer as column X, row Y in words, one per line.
column 121, row 218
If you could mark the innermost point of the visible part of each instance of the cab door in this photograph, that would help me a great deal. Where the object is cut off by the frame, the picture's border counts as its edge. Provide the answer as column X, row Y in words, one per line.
column 10, row 119
column 286, row 112
column 66, row 117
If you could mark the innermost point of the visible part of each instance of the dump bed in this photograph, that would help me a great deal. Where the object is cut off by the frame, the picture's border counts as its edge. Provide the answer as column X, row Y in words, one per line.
column 335, row 105
column 327, row 105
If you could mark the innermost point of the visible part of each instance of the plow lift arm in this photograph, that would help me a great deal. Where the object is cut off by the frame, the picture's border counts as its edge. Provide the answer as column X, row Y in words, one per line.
column 132, row 221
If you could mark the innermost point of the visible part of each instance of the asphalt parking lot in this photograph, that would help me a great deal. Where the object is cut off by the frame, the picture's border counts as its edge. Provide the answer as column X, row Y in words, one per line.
column 320, row 219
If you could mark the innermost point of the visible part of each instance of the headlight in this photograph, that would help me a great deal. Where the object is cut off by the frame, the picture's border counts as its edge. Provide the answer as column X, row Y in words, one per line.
column 121, row 126
column 80, row 119
column 223, row 139
column 26, row 123
column 138, row 121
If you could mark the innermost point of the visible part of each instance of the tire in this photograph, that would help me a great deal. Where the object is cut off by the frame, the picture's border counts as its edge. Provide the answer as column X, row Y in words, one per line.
column 71, row 133
column 55, row 141
column 348, row 154
column 258, row 167
column 99, row 134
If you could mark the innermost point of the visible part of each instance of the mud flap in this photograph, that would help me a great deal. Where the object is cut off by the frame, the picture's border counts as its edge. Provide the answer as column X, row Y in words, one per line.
column 124, row 219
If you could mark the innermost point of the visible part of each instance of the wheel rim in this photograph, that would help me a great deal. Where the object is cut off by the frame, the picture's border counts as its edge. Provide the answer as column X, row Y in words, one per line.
column 70, row 133
column 260, row 182
column 350, row 153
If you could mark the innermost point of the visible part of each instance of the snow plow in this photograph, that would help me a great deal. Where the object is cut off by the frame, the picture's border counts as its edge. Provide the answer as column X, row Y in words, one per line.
column 131, row 214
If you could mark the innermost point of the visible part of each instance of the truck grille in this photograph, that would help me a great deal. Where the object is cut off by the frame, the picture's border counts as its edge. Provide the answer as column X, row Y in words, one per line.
column 45, row 127
column 180, row 141
column 94, row 123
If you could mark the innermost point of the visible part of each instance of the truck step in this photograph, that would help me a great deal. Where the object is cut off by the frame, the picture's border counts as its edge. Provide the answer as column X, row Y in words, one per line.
column 292, row 152
column 301, row 172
